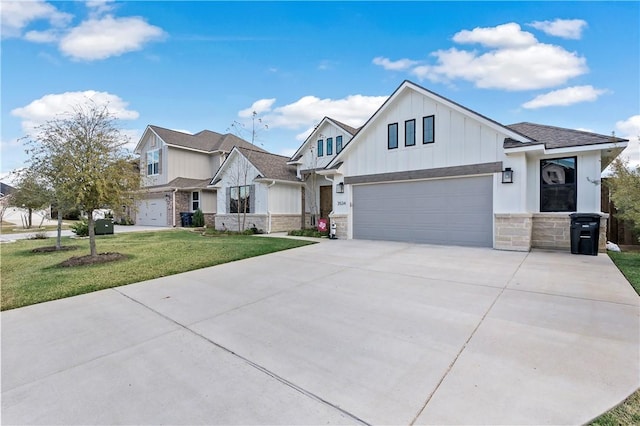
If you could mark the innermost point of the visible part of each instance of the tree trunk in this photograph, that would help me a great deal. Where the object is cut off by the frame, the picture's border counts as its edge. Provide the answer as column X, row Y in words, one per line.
column 29, row 218
column 59, row 236
column 92, row 235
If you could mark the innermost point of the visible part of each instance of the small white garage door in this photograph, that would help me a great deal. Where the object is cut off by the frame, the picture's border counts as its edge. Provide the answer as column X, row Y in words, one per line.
column 456, row 211
column 152, row 212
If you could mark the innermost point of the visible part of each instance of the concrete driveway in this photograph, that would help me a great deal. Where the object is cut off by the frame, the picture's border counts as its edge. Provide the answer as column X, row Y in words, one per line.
column 342, row 332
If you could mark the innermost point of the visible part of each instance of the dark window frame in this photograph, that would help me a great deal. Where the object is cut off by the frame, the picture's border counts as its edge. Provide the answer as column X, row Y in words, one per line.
column 320, row 147
column 425, row 139
column 338, row 144
column 573, row 202
column 195, row 200
column 408, row 137
column 389, row 127
column 329, row 146
column 241, row 200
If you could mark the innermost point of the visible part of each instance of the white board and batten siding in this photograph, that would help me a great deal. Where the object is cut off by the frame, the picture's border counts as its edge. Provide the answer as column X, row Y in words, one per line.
column 285, row 199
column 452, row 210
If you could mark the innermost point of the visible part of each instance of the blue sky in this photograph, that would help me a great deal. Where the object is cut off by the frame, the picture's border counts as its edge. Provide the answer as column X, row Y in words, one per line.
column 204, row 65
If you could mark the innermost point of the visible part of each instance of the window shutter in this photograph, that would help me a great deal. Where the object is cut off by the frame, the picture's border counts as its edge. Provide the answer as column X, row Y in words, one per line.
column 228, row 196
column 160, row 161
column 252, row 199
column 143, row 164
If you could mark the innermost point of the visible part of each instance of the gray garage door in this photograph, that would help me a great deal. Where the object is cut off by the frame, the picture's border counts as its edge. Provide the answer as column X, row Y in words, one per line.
column 152, row 212
column 444, row 211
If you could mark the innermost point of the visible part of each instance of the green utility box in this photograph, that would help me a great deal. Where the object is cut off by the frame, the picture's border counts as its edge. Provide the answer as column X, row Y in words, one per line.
column 104, row 227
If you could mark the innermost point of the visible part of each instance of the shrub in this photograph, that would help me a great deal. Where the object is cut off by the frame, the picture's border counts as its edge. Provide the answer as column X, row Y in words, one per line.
column 81, row 228
column 198, row 219
column 41, row 235
column 309, row 232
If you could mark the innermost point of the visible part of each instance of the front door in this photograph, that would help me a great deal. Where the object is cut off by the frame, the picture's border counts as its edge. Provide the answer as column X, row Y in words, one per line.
column 326, row 201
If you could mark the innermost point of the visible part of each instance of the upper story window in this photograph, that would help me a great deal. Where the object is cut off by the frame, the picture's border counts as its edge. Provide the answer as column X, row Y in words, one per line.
column 558, row 185
column 320, row 147
column 392, row 136
column 195, row 200
column 410, row 133
column 428, row 129
column 338, row 144
column 329, row 146
column 153, row 162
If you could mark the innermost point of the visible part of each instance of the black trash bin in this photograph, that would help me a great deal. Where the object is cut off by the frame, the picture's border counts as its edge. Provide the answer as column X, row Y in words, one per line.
column 585, row 233
column 103, row 227
column 186, row 219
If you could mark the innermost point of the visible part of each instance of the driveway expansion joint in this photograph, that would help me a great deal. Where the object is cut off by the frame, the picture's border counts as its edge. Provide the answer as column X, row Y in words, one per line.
column 258, row 367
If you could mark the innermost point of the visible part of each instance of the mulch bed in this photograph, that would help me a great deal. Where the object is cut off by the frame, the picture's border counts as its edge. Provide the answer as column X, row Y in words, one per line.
column 51, row 249
column 91, row 260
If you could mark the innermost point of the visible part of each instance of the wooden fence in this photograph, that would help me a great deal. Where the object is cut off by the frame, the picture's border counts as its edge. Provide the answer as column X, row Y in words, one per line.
column 618, row 231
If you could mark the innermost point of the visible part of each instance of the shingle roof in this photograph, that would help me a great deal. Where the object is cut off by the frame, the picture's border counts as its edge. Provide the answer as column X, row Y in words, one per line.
column 351, row 130
column 180, row 183
column 556, row 137
column 205, row 140
column 270, row 166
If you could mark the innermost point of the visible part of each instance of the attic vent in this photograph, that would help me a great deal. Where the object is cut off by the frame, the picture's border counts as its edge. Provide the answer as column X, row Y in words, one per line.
column 153, row 141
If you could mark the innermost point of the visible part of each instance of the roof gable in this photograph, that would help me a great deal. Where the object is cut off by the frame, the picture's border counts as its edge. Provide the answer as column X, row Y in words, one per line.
column 408, row 85
column 205, row 141
column 326, row 120
column 270, row 166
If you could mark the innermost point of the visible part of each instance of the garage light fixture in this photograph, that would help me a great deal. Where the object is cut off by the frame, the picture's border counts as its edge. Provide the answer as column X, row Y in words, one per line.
column 507, row 175
column 340, row 188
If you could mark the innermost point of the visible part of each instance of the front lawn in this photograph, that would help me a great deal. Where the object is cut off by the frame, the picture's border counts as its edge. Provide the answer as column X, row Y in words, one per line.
column 29, row 278
column 628, row 412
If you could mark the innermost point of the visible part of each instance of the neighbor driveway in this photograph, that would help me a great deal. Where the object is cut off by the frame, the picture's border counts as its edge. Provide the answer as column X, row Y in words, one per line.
column 340, row 332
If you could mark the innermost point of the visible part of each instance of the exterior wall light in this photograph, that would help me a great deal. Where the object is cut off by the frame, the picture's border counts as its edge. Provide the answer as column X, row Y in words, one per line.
column 340, row 188
column 507, row 175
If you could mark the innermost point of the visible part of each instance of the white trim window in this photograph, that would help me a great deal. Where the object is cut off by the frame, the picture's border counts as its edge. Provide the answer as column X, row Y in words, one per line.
column 153, row 162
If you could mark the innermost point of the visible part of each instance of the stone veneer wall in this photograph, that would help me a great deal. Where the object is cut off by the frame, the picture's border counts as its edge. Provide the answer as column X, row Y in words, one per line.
column 210, row 220
column 284, row 222
column 513, row 231
column 553, row 231
column 229, row 221
column 341, row 222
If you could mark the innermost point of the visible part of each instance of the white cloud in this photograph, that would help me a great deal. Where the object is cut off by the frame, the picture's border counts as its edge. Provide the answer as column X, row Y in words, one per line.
column 16, row 15
column 108, row 36
column 259, row 107
column 565, row 28
column 506, row 35
column 98, row 7
column 52, row 106
column 399, row 65
column 307, row 111
column 630, row 129
column 565, row 97
column 510, row 59
column 48, row 36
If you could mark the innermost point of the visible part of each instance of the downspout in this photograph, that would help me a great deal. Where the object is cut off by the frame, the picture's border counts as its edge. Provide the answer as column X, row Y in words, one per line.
column 330, row 180
column 269, row 211
column 173, row 206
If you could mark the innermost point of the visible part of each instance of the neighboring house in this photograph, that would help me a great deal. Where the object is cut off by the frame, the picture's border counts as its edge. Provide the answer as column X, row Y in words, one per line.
column 177, row 168
column 426, row 169
column 325, row 142
column 5, row 190
column 256, row 189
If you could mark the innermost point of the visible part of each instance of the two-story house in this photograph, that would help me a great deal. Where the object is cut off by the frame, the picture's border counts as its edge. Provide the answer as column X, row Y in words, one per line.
column 177, row 168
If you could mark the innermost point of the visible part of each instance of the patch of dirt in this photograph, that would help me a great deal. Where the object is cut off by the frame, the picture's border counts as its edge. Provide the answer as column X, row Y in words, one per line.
column 51, row 249
column 90, row 260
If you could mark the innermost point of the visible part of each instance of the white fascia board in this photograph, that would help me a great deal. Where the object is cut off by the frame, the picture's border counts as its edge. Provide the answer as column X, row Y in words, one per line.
column 328, row 172
column 586, row 148
column 309, row 138
column 144, row 134
column 288, row 182
column 527, row 148
column 186, row 148
column 227, row 160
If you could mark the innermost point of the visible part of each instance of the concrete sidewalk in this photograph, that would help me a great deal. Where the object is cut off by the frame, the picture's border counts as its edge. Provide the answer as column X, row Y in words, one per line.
column 117, row 229
column 345, row 332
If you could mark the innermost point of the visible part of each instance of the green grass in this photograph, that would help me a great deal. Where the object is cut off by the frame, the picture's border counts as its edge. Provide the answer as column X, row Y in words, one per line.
column 628, row 412
column 629, row 264
column 29, row 278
